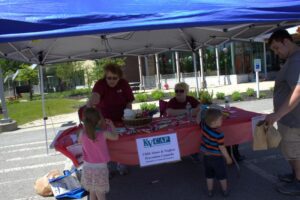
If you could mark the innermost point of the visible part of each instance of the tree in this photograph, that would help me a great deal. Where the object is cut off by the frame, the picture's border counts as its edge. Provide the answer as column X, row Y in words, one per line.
column 87, row 67
column 28, row 75
column 66, row 73
column 9, row 66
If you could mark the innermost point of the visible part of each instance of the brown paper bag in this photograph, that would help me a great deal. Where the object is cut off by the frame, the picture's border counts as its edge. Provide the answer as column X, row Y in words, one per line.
column 260, row 137
column 42, row 186
column 273, row 137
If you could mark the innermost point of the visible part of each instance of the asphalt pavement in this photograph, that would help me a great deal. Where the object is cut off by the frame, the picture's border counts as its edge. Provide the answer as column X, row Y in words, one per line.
column 23, row 159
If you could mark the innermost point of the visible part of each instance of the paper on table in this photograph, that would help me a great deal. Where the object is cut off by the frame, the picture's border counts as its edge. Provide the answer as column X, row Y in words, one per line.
column 121, row 130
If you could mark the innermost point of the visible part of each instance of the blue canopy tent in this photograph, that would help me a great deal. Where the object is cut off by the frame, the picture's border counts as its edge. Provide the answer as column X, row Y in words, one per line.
column 46, row 31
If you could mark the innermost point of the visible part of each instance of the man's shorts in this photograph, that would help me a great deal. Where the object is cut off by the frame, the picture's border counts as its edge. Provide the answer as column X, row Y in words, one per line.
column 290, row 143
column 215, row 167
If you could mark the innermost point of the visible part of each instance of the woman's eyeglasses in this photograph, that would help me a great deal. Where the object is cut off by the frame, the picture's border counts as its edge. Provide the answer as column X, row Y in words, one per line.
column 179, row 91
column 112, row 78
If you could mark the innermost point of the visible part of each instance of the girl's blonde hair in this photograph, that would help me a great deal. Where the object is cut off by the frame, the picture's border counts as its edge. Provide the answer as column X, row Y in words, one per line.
column 182, row 85
column 91, row 119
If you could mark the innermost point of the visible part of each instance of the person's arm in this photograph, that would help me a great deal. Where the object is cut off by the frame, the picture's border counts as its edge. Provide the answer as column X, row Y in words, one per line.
column 93, row 100
column 175, row 112
column 286, row 107
column 129, row 94
column 198, row 117
column 195, row 105
column 225, row 154
column 195, row 111
column 80, row 137
column 97, row 93
column 111, row 135
column 129, row 105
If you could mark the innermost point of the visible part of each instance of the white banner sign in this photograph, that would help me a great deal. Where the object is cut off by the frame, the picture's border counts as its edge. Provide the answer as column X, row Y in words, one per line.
column 158, row 149
column 257, row 65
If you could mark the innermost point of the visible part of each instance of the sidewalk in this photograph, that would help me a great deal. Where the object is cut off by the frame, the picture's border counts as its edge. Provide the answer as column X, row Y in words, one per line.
column 60, row 120
column 229, row 89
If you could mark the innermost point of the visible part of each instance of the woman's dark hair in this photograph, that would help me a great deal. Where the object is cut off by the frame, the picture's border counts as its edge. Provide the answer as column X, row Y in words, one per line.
column 91, row 120
column 114, row 68
column 279, row 36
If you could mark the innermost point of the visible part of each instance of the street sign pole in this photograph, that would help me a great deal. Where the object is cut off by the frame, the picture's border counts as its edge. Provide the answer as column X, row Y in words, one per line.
column 257, row 68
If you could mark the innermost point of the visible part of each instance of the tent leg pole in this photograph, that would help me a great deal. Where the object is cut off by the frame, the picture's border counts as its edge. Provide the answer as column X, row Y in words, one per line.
column 43, row 107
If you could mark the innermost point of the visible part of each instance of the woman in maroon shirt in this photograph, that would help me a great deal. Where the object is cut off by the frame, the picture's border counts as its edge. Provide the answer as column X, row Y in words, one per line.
column 112, row 94
column 177, row 105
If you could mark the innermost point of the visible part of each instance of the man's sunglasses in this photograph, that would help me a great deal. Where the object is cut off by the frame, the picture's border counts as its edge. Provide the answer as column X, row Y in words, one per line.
column 179, row 91
column 112, row 78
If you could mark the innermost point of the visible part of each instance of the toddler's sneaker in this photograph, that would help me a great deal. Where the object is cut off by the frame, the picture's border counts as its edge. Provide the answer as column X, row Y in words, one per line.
column 288, row 178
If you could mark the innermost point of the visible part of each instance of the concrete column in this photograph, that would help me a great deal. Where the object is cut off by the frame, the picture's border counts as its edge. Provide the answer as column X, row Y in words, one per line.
column 195, row 71
column 158, row 85
column 5, row 119
column 6, row 124
column 265, row 60
column 140, row 71
column 203, row 84
column 173, row 63
column 146, row 66
column 232, row 57
column 218, row 65
column 177, row 66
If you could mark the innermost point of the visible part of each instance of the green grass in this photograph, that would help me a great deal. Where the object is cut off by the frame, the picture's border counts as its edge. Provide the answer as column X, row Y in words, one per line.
column 24, row 112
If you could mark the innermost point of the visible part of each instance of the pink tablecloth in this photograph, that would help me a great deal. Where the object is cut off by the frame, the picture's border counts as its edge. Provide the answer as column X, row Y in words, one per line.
column 237, row 130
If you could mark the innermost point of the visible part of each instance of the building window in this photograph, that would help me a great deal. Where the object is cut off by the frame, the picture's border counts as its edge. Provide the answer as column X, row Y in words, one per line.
column 209, row 62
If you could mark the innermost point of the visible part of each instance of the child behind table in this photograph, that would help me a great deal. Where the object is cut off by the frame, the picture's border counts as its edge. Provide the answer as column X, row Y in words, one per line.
column 214, row 150
column 95, row 175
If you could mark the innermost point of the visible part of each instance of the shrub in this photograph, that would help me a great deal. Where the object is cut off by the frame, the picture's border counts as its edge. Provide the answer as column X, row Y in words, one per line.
column 272, row 89
column 80, row 92
column 220, row 95
column 141, row 97
column 262, row 95
column 12, row 100
column 157, row 94
column 236, row 96
column 250, row 92
column 143, row 106
column 193, row 94
column 151, row 108
column 206, row 97
column 65, row 94
column 171, row 94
